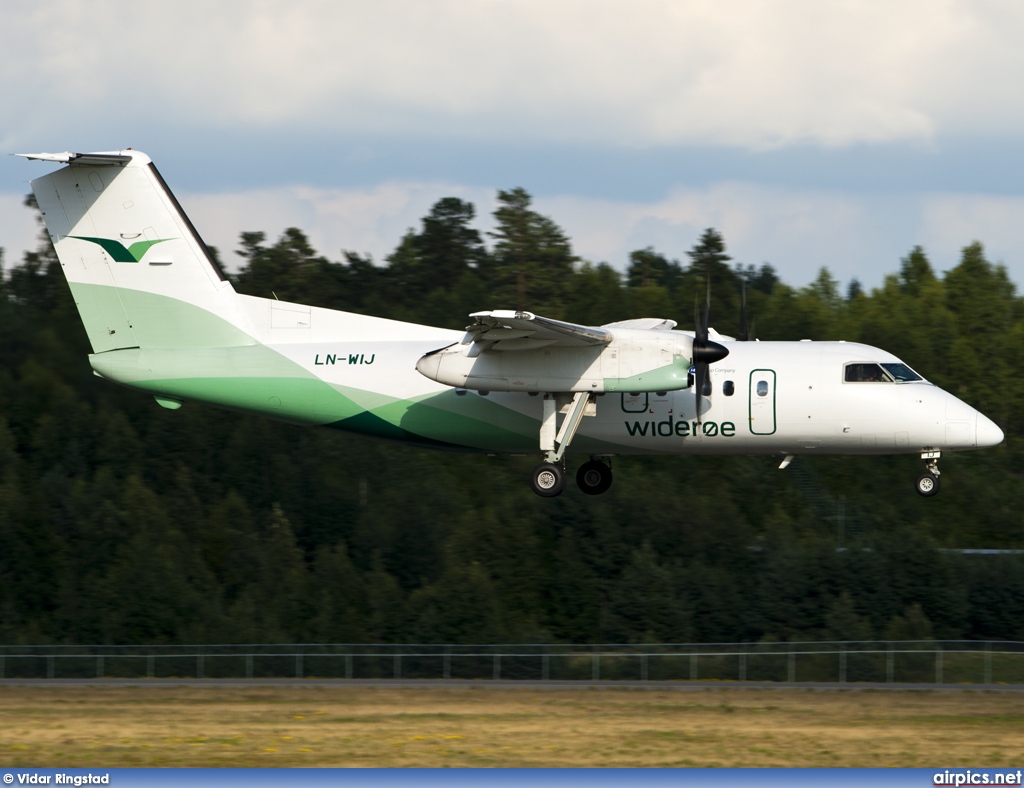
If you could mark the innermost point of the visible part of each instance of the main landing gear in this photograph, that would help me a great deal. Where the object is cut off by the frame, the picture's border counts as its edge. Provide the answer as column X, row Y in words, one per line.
column 594, row 477
column 548, row 479
column 927, row 483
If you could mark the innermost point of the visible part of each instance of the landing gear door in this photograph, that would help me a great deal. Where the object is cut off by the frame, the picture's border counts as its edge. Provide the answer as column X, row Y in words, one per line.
column 762, row 402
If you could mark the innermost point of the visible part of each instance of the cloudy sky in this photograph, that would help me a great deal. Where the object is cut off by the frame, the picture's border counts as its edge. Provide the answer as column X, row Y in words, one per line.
column 811, row 133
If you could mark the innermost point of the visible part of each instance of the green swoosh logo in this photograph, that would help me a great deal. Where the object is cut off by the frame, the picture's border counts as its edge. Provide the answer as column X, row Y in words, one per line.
column 118, row 252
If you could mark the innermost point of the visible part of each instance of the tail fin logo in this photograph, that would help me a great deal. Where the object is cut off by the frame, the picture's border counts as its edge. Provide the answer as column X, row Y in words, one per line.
column 119, row 252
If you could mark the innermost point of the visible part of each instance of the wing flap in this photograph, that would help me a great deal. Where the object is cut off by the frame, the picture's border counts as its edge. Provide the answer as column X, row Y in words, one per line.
column 507, row 329
column 650, row 323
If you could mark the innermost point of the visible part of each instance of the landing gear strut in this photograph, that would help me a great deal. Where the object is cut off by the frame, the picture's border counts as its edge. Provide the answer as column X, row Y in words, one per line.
column 548, row 478
column 928, row 483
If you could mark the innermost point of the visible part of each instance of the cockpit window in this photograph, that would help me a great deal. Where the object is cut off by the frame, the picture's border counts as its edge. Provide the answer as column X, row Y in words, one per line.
column 869, row 372
column 901, row 373
column 865, row 373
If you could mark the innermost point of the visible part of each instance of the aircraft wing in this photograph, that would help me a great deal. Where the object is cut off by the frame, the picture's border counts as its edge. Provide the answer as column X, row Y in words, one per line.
column 649, row 323
column 507, row 329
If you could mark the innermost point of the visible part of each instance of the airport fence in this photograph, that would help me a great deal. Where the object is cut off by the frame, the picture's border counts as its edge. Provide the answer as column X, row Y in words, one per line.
column 919, row 662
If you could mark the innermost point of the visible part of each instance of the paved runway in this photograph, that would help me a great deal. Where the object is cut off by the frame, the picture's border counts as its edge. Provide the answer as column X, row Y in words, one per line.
column 490, row 684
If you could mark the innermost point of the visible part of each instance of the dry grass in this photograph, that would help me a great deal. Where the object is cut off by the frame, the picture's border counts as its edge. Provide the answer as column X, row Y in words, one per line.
column 315, row 726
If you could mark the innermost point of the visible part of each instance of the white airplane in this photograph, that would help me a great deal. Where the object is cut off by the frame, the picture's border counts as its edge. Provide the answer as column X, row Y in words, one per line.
column 162, row 318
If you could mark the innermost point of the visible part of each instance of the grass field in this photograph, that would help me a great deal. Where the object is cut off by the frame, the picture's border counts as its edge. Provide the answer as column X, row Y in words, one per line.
column 352, row 726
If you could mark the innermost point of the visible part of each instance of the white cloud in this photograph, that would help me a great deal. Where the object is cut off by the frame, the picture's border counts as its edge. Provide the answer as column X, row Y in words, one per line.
column 368, row 221
column 952, row 221
column 748, row 72
column 798, row 231
column 18, row 230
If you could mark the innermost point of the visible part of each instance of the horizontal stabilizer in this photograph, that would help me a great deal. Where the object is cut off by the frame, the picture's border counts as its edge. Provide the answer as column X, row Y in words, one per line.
column 93, row 159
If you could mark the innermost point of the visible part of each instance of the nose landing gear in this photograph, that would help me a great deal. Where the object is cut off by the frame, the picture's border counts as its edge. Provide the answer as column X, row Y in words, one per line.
column 928, row 483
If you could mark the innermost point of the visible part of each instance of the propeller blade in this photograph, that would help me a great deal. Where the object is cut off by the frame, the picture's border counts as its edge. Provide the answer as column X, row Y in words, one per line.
column 705, row 351
column 699, row 376
column 743, row 336
column 704, row 354
column 707, row 309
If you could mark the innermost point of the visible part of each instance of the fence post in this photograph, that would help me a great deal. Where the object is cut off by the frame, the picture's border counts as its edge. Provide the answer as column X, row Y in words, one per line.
column 938, row 666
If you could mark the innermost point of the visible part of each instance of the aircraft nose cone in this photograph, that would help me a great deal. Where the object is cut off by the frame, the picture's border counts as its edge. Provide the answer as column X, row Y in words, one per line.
column 988, row 433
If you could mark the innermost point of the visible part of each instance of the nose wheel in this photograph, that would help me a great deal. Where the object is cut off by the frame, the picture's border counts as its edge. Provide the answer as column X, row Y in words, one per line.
column 927, row 483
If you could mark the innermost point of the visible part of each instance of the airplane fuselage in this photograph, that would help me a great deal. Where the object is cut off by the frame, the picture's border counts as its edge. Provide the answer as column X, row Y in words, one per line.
column 765, row 397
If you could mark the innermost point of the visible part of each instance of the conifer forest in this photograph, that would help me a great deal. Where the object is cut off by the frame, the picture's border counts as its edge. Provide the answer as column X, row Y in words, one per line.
column 125, row 523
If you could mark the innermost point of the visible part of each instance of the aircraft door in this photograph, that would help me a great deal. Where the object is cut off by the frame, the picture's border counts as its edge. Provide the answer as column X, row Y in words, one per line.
column 762, row 402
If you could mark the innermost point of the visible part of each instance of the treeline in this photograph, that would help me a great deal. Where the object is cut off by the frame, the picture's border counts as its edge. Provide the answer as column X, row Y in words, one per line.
column 122, row 522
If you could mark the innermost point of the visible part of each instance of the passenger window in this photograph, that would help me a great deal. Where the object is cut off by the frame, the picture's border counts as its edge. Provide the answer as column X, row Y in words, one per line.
column 762, row 388
column 728, row 388
column 865, row 373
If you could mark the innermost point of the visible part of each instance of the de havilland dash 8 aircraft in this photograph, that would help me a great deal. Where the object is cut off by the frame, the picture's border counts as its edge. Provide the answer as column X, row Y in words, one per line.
column 162, row 318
